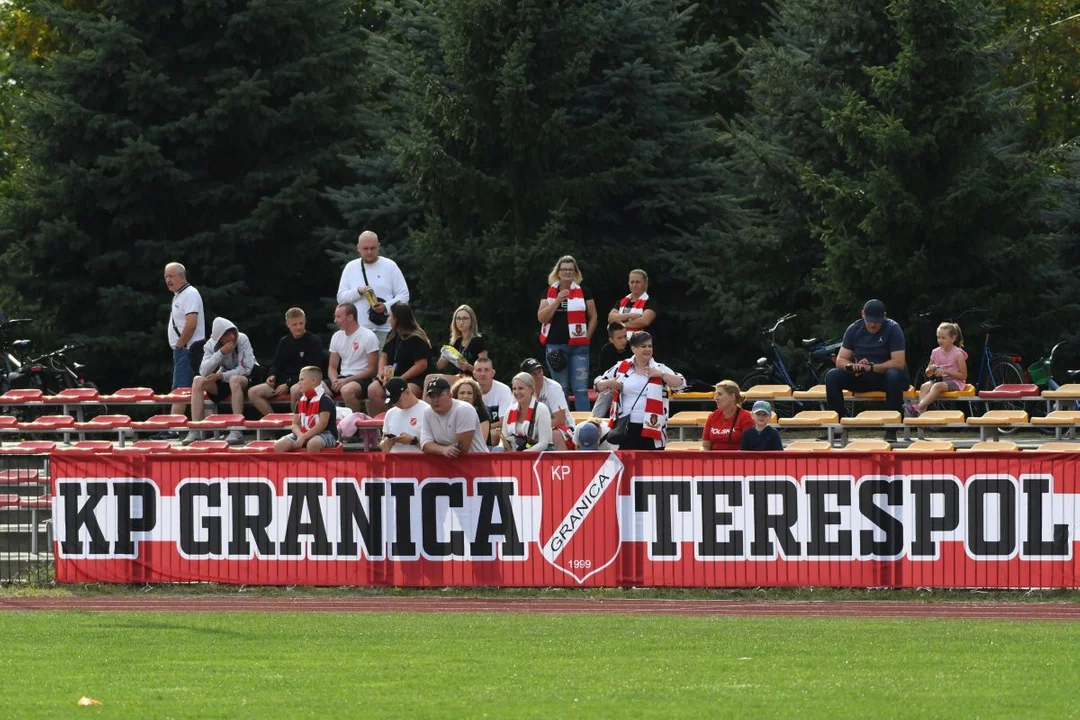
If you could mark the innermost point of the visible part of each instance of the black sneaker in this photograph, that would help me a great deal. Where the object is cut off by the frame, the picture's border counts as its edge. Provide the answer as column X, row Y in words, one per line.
column 890, row 436
column 167, row 435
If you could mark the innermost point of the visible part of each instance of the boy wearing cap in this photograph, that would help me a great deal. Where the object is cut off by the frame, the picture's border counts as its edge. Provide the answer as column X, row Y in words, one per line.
column 401, row 427
column 871, row 358
column 762, row 436
column 315, row 421
column 450, row 427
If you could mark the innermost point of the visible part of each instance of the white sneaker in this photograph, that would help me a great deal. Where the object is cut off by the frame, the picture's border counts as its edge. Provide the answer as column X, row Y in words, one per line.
column 191, row 437
column 235, row 438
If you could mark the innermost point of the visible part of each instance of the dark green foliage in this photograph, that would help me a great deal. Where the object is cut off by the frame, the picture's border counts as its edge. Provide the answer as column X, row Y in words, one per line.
column 198, row 132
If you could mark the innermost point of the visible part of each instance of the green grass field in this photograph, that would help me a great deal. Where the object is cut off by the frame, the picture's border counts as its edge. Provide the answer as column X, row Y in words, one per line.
column 499, row 666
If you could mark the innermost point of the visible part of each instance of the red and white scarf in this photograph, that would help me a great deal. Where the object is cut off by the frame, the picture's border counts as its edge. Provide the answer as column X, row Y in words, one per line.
column 307, row 407
column 526, row 425
column 576, row 317
column 633, row 307
column 655, row 416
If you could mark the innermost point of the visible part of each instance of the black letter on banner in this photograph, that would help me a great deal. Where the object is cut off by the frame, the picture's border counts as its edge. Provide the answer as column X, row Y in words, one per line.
column 239, row 492
column 663, row 491
column 925, row 523
column 306, row 493
column 352, row 514
column 403, row 545
column 75, row 518
column 492, row 493
column 1034, row 545
column 781, row 524
column 126, row 525
column 977, row 491
column 433, row 491
column 893, row 544
column 212, row 525
column 711, row 519
column 816, row 491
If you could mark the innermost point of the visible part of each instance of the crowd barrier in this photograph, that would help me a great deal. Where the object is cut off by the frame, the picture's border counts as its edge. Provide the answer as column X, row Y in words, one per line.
column 668, row 519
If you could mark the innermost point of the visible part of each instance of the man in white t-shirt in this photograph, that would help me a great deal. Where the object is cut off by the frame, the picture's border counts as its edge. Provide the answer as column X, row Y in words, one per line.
column 401, row 427
column 381, row 276
column 551, row 394
column 186, row 329
column 450, row 427
column 354, row 357
column 497, row 396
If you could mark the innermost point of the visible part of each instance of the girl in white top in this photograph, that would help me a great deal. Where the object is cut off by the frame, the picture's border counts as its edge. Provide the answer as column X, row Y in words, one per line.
column 528, row 424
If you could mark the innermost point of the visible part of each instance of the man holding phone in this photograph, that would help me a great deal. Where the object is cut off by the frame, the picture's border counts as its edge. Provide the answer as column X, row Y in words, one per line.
column 401, row 426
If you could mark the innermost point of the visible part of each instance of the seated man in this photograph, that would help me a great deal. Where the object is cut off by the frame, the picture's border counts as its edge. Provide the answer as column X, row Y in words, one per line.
column 551, row 394
column 450, row 427
column 226, row 365
column 871, row 358
column 315, row 421
column 294, row 351
column 354, row 357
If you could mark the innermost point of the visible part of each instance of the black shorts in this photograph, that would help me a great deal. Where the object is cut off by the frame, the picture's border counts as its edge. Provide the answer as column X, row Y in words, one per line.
column 223, row 390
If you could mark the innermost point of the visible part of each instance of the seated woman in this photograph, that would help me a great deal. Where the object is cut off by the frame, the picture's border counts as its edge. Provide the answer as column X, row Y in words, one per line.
column 725, row 426
column 468, row 347
column 405, row 355
column 641, row 388
column 527, row 426
column 468, row 390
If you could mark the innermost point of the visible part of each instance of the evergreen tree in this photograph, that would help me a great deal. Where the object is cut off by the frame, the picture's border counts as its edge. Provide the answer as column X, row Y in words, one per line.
column 932, row 204
column 1060, row 301
column 204, row 133
column 530, row 129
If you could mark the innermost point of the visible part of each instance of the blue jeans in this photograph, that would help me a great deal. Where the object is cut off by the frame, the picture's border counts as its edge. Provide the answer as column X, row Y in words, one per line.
column 575, row 377
column 894, row 382
column 182, row 373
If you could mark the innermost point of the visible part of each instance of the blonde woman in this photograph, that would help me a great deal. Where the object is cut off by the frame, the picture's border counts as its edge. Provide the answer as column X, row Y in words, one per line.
column 567, row 316
column 465, row 337
column 725, row 426
column 527, row 425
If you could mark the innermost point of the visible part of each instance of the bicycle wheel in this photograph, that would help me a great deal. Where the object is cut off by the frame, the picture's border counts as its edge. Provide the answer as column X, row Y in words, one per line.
column 1005, row 372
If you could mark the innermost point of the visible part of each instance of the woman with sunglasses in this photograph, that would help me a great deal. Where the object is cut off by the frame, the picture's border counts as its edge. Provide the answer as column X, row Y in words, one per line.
column 642, row 387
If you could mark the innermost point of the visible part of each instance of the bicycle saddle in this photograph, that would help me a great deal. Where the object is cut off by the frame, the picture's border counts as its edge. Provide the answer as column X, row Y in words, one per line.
column 809, row 343
column 988, row 327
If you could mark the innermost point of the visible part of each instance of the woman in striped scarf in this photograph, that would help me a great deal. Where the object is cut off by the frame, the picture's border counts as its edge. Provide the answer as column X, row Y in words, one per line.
column 567, row 316
column 641, row 388
column 527, row 426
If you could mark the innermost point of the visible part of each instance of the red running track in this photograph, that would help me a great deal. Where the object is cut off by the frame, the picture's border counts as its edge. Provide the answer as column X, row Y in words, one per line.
column 697, row 608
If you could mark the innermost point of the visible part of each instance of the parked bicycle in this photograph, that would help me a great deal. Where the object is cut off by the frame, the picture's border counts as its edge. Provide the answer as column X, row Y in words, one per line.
column 53, row 372
column 819, row 358
column 12, row 371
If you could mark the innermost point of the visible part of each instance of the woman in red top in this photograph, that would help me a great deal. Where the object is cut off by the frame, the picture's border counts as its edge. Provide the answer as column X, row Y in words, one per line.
column 725, row 426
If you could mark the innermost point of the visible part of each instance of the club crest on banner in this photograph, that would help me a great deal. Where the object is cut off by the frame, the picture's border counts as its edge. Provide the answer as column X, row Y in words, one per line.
column 579, row 514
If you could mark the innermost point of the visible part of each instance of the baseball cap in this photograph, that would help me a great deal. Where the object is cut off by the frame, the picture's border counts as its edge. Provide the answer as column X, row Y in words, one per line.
column 394, row 388
column 531, row 365
column 437, row 386
column 762, row 406
column 588, row 437
column 874, row 311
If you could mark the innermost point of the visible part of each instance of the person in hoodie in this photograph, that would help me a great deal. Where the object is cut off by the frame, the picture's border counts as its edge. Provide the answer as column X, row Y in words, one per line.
column 226, row 365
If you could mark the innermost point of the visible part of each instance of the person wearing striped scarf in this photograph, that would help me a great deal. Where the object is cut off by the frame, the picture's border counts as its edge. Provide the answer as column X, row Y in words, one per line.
column 641, row 388
column 527, row 426
column 567, row 316
column 636, row 311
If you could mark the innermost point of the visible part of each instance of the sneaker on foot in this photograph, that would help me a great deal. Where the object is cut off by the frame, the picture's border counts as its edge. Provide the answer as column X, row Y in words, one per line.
column 235, row 438
column 166, row 435
column 191, row 437
column 890, row 436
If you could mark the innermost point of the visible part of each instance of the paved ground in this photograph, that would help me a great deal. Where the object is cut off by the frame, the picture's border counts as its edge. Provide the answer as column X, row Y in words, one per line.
column 700, row 608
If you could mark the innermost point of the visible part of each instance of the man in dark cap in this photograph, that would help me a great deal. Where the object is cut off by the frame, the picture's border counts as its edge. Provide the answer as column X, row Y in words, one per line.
column 401, row 427
column 450, row 427
column 871, row 358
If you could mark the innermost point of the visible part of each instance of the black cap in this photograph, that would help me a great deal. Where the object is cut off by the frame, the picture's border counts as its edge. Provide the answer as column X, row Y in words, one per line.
column 531, row 365
column 437, row 386
column 394, row 387
column 874, row 311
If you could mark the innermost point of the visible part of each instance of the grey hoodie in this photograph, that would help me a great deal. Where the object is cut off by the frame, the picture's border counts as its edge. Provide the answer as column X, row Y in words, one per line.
column 239, row 362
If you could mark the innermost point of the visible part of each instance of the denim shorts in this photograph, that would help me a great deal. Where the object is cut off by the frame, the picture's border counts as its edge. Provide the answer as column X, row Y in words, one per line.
column 327, row 437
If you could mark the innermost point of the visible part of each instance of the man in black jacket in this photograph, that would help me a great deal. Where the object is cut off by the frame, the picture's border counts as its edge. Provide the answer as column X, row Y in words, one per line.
column 295, row 351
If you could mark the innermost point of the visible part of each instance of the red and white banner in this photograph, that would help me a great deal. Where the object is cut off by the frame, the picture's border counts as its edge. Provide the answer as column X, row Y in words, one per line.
column 574, row 519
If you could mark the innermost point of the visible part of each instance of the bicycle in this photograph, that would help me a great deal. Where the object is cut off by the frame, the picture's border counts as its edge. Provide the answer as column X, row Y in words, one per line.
column 821, row 357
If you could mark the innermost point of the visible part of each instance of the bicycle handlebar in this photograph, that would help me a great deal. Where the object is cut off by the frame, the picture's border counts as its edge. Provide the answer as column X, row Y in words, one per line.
column 780, row 322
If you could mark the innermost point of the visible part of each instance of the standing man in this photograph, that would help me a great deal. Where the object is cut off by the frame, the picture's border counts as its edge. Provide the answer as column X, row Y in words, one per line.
column 497, row 396
column 186, row 330
column 871, row 358
column 354, row 357
column 450, row 427
column 373, row 284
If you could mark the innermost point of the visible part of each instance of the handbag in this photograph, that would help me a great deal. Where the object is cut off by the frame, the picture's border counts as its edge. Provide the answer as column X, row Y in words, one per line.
column 617, row 435
column 556, row 360
column 376, row 318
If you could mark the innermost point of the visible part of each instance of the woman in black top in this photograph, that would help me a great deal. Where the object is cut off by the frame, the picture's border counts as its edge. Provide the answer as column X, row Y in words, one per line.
column 406, row 355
